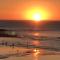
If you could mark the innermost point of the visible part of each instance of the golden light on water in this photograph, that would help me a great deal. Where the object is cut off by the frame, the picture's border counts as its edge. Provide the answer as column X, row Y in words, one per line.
column 36, row 43
column 36, row 34
column 36, row 54
column 36, row 51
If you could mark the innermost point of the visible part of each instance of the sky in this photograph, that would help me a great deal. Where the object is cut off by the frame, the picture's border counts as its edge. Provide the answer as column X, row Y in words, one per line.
column 17, row 9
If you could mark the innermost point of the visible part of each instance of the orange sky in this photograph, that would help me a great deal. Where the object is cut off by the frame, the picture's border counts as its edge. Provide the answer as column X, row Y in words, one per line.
column 16, row 9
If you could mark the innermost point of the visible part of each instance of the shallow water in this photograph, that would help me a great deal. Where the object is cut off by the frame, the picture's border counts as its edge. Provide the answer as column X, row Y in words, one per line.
column 34, row 54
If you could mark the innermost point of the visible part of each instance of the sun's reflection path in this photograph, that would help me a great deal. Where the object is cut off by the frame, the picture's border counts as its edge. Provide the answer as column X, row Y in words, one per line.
column 36, row 54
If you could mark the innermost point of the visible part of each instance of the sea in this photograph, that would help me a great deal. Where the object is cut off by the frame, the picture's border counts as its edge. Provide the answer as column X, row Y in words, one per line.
column 31, row 45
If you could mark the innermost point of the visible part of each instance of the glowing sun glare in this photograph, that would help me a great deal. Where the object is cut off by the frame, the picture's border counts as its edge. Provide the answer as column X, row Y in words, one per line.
column 37, row 14
column 37, row 17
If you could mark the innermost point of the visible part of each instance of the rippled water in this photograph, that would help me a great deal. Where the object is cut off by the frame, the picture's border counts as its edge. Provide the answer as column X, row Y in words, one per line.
column 31, row 47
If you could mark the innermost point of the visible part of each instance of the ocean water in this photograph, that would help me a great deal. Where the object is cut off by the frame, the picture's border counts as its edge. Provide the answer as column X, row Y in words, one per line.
column 31, row 46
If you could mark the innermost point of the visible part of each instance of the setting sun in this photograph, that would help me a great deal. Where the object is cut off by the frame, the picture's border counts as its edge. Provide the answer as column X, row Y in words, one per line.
column 36, row 17
column 37, row 14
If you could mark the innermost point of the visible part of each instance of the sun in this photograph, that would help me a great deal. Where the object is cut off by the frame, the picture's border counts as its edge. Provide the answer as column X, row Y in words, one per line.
column 36, row 14
column 36, row 17
column 33, row 15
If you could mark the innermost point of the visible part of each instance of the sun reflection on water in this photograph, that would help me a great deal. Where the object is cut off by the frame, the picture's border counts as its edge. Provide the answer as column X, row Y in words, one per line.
column 37, row 53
